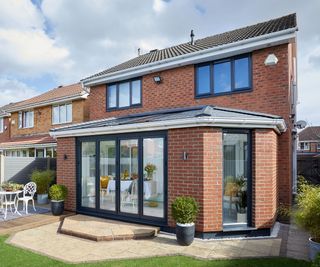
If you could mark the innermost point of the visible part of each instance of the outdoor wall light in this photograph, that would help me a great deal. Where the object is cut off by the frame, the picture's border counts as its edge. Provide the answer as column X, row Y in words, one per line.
column 185, row 155
column 65, row 157
column 157, row 79
column 271, row 60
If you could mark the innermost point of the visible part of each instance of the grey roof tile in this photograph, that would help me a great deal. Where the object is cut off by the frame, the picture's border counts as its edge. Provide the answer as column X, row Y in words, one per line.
column 263, row 28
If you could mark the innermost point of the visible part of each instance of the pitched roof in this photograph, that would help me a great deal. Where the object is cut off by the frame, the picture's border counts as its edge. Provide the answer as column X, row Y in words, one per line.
column 263, row 28
column 173, row 115
column 60, row 93
column 28, row 141
column 3, row 109
column 311, row 133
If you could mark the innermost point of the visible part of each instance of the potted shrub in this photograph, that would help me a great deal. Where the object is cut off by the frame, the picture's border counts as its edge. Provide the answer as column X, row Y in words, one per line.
column 43, row 179
column 184, row 212
column 283, row 213
column 308, row 216
column 58, row 193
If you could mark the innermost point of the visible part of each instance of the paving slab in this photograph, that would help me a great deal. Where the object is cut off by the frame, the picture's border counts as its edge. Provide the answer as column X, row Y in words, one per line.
column 46, row 240
column 98, row 229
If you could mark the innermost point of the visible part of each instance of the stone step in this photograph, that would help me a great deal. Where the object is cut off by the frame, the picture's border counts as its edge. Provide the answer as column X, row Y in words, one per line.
column 98, row 229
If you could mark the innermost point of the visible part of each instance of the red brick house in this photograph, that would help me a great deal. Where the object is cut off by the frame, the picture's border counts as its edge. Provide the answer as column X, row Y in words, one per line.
column 210, row 118
column 25, row 142
column 309, row 140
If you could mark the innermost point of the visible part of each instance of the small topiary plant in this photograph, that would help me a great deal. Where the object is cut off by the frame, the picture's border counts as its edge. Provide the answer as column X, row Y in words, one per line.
column 43, row 179
column 185, row 210
column 308, row 213
column 58, row 192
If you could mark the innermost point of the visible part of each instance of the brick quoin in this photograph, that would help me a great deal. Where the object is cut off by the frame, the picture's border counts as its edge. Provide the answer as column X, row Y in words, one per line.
column 270, row 94
column 66, row 169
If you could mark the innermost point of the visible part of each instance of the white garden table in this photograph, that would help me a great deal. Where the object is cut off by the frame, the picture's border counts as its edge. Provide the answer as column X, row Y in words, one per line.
column 9, row 199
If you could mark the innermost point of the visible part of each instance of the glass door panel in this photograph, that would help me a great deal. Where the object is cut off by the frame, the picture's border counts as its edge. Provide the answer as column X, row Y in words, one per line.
column 153, row 177
column 235, row 178
column 88, row 173
column 108, row 175
column 129, row 176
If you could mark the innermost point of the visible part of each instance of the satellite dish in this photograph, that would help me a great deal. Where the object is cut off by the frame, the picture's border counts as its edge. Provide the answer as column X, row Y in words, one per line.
column 301, row 124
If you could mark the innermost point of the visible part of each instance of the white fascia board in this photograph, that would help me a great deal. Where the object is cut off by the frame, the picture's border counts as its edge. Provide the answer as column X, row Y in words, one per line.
column 210, row 54
column 277, row 125
column 17, row 146
column 50, row 102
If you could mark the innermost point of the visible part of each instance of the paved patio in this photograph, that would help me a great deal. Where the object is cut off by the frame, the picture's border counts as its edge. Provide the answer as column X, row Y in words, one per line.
column 47, row 241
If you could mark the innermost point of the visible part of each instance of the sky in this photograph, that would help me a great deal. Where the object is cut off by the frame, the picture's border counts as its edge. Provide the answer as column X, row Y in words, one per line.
column 47, row 43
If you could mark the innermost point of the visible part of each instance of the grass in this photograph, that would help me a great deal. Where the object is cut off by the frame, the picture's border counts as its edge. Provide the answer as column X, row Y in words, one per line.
column 12, row 256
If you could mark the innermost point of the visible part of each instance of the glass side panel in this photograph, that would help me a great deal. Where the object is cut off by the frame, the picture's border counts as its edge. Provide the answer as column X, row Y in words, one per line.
column 235, row 178
column 108, row 175
column 124, row 95
column 136, row 92
column 88, row 172
column 203, row 80
column 112, row 96
column 153, row 180
column 129, row 176
column 222, row 77
column 241, row 73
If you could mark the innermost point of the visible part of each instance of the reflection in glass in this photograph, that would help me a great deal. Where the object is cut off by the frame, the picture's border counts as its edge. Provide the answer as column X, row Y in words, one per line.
column 112, row 96
column 88, row 173
column 107, row 175
column 203, row 80
column 222, row 77
column 153, row 161
column 235, row 159
column 241, row 73
column 129, row 176
column 124, row 95
column 136, row 92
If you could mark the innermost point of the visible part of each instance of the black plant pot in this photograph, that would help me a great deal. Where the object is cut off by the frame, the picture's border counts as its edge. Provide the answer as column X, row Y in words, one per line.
column 185, row 233
column 57, row 207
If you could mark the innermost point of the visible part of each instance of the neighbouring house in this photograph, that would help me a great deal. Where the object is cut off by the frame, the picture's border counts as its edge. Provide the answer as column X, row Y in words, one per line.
column 212, row 118
column 308, row 153
column 25, row 143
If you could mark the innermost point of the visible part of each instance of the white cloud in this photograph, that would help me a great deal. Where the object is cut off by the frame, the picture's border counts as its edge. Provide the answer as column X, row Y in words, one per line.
column 159, row 6
column 13, row 91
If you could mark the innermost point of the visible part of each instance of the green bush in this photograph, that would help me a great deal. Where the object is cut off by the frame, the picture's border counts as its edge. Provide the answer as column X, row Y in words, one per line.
column 58, row 192
column 43, row 179
column 316, row 262
column 185, row 210
column 308, row 213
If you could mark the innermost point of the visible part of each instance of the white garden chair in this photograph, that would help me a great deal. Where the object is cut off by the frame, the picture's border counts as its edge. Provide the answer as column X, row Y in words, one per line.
column 28, row 193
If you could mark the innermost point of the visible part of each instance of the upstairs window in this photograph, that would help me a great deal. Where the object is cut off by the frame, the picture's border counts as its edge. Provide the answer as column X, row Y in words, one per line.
column 26, row 119
column 318, row 146
column 224, row 76
column 124, row 94
column 61, row 113
column 1, row 125
column 304, row 146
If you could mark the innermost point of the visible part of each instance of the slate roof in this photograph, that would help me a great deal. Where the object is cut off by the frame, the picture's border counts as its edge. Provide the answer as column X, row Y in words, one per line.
column 170, row 114
column 263, row 28
column 311, row 133
column 72, row 90
column 3, row 109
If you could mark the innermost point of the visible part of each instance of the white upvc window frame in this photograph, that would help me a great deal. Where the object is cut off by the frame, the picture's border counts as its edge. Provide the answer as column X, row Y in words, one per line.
column 26, row 119
column 306, row 146
column 1, row 125
column 318, row 146
column 62, row 118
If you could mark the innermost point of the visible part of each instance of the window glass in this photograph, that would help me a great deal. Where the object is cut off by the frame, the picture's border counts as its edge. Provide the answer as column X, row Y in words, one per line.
column 136, row 92
column 40, row 153
column 1, row 125
column 124, row 95
column 222, row 77
column 55, row 114
column 241, row 73
column 203, row 80
column 69, row 112
column 63, row 114
column 20, row 124
column 31, row 152
column 112, row 96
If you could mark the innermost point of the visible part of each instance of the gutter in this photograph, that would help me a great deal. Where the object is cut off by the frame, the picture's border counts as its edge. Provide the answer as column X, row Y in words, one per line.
column 221, row 51
column 278, row 125
column 28, row 146
column 48, row 102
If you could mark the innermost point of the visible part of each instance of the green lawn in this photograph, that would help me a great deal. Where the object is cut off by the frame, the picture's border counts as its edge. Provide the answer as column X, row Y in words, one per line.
column 12, row 256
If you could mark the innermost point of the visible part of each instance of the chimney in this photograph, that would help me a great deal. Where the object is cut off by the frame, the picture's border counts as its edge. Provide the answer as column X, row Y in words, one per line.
column 192, row 37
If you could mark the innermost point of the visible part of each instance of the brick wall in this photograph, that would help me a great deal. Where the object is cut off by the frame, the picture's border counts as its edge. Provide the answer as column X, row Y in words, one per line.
column 270, row 94
column 264, row 177
column 66, row 169
column 5, row 135
column 43, row 119
column 199, row 176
